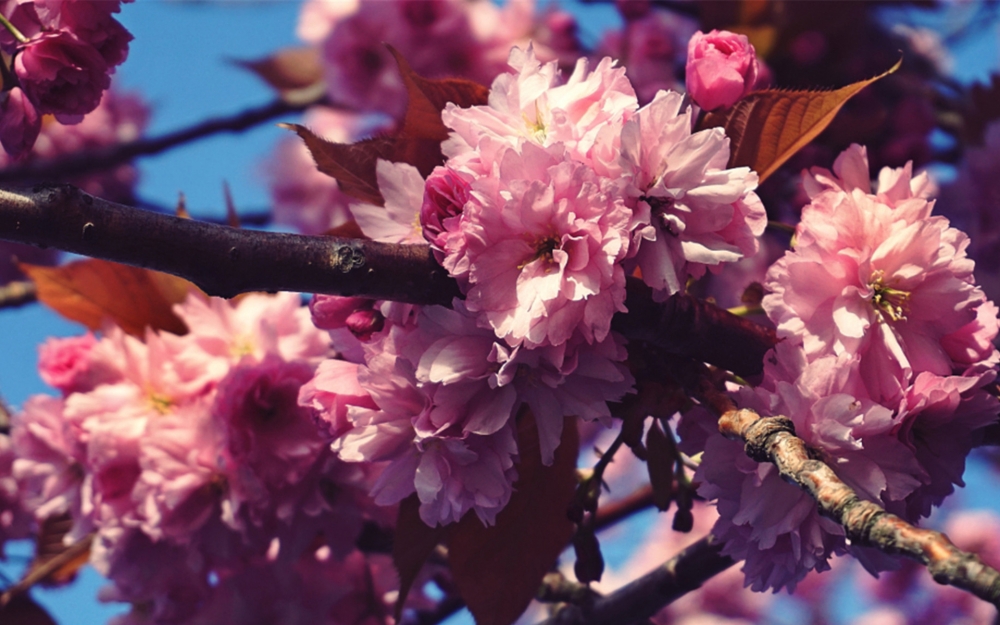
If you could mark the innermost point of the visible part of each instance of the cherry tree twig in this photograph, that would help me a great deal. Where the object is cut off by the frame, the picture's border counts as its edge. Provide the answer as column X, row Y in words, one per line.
column 772, row 439
column 19, row 293
column 221, row 260
column 647, row 595
column 227, row 261
column 113, row 155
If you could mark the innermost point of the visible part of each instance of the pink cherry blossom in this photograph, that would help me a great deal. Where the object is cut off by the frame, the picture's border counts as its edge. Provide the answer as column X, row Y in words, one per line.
column 584, row 114
column 360, row 71
column 721, row 68
column 67, row 364
column 15, row 519
column 544, row 243
column 270, row 442
column 692, row 212
column 398, row 221
column 62, row 74
column 445, row 195
column 50, row 457
column 882, row 280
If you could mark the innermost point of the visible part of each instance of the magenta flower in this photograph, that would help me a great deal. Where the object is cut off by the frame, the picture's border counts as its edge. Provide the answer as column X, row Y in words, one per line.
column 721, row 68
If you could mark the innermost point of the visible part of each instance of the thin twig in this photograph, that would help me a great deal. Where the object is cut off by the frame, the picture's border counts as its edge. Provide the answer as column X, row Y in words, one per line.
column 772, row 439
column 48, row 567
column 19, row 293
column 107, row 157
column 644, row 597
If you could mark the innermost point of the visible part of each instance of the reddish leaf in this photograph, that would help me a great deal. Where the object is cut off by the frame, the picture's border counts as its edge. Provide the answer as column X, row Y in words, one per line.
column 353, row 165
column 767, row 127
column 427, row 98
column 93, row 291
column 418, row 143
column 498, row 569
column 413, row 543
column 22, row 610
column 295, row 73
column 347, row 230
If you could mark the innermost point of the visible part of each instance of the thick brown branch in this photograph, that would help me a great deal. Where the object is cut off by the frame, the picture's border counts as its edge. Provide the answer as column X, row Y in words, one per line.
column 227, row 261
column 222, row 260
column 687, row 326
column 647, row 595
column 113, row 155
column 772, row 439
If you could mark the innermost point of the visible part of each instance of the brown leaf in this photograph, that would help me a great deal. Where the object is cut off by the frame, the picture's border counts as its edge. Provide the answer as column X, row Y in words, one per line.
column 413, row 543
column 22, row 610
column 295, row 73
column 498, row 569
column 427, row 98
column 767, row 127
column 347, row 230
column 93, row 291
column 353, row 164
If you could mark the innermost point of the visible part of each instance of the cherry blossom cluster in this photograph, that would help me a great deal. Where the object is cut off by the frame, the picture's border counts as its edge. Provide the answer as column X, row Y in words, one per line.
column 884, row 368
column 551, row 194
column 63, row 54
column 192, row 452
column 472, row 40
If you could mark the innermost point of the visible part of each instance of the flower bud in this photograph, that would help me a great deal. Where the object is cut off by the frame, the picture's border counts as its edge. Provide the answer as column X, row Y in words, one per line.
column 721, row 68
column 20, row 123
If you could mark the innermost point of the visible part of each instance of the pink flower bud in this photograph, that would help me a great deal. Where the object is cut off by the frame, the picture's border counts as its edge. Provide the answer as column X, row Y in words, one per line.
column 19, row 122
column 721, row 68
column 445, row 195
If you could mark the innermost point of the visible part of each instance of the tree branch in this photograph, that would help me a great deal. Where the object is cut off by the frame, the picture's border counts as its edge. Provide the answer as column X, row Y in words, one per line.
column 19, row 293
column 772, row 439
column 113, row 155
column 222, row 260
column 644, row 597
column 227, row 261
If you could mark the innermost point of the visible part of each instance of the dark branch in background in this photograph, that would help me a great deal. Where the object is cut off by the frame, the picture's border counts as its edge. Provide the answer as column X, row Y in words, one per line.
column 14, row 294
column 227, row 261
column 772, row 439
column 687, row 326
column 114, row 155
column 644, row 597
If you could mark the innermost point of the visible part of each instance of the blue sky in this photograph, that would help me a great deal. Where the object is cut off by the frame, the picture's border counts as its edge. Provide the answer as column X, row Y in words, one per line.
column 179, row 62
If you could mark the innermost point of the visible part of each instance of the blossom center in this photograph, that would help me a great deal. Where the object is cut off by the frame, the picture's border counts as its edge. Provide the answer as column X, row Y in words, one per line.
column 888, row 301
